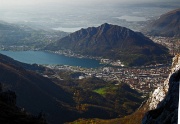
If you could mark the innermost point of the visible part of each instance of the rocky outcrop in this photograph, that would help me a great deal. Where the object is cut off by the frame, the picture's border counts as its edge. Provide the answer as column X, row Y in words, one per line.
column 159, row 93
column 163, row 104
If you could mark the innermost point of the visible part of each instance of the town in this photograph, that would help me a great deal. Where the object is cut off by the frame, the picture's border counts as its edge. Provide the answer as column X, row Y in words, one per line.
column 172, row 43
column 144, row 79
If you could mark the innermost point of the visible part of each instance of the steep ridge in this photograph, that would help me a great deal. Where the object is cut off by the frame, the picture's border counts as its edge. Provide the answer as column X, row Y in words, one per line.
column 163, row 104
column 113, row 42
column 167, row 25
column 159, row 94
column 36, row 93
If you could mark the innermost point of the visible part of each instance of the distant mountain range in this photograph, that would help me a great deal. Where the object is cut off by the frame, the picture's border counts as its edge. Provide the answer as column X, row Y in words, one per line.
column 112, row 42
column 21, row 35
column 167, row 25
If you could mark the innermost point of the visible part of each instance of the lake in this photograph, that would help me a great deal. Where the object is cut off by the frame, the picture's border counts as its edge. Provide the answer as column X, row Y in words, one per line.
column 41, row 57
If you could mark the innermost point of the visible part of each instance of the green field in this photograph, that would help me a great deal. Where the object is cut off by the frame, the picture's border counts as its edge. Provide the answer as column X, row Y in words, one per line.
column 101, row 91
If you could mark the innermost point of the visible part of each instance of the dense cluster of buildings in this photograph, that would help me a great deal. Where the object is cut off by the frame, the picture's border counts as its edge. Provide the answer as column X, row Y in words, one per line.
column 172, row 43
column 143, row 79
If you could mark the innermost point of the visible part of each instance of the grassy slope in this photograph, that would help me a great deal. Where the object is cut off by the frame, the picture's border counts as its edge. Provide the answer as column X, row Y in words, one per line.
column 134, row 118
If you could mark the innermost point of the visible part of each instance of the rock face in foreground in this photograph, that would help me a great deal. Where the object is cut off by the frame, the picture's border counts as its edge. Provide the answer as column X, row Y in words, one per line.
column 165, row 99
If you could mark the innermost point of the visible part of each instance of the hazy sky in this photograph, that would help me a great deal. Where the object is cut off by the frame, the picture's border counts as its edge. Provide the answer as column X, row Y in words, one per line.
column 78, row 13
column 27, row 2
column 67, row 3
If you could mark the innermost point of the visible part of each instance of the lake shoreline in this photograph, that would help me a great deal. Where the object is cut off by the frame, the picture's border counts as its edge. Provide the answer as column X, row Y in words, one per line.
column 46, row 57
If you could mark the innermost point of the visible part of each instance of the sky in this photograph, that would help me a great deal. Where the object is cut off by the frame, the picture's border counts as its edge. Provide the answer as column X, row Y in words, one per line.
column 78, row 13
column 67, row 3
column 32, row 2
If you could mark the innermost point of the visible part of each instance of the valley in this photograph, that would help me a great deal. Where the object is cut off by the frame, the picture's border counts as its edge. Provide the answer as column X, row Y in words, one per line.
column 69, row 96
column 117, row 63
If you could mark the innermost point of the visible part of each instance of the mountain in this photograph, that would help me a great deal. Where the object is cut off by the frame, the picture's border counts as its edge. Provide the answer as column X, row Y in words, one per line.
column 36, row 93
column 113, row 42
column 11, row 114
column 167, row 25
column 21, row 37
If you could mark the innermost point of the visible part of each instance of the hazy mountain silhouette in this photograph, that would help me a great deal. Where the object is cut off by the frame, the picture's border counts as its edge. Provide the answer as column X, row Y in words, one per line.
column 167, row 25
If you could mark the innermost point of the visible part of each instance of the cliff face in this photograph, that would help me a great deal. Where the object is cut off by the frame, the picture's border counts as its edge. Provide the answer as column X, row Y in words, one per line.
column 163, row 104
column 160, row 93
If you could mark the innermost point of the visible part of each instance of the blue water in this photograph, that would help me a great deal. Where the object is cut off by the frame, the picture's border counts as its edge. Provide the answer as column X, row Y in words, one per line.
column 41, row 57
